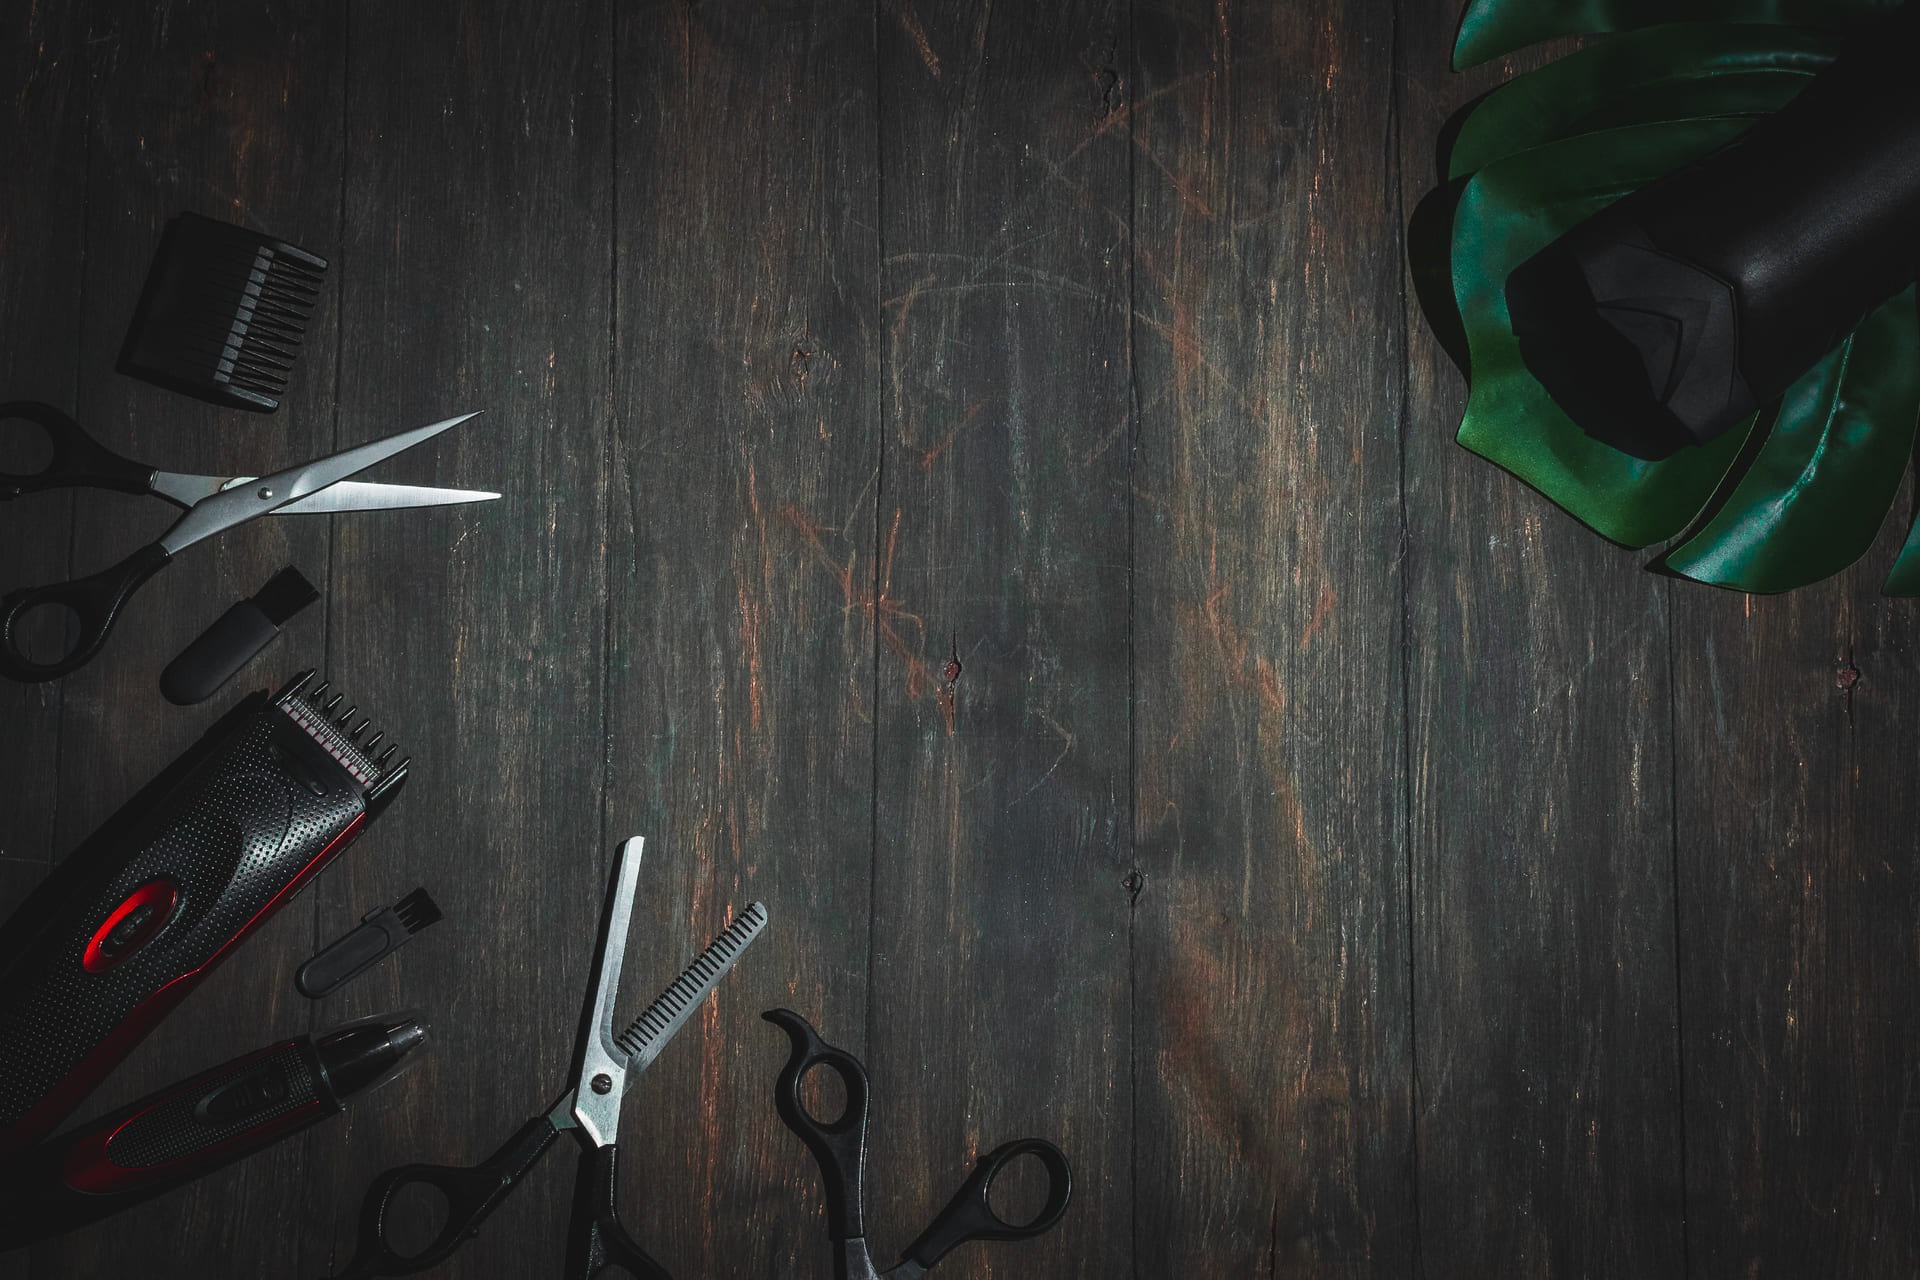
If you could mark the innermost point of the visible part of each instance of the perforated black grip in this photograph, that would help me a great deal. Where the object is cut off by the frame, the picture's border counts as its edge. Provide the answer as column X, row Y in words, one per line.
column 147, row 913
column 163, row 1141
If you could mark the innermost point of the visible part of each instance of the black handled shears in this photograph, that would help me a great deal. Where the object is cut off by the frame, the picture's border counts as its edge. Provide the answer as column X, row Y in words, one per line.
column 590, row 1110
column 841, row 1148
column 212, row 504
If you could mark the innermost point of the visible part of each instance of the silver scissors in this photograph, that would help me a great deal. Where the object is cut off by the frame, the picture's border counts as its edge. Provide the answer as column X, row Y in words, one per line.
column 607, row 1066
column 211, row 504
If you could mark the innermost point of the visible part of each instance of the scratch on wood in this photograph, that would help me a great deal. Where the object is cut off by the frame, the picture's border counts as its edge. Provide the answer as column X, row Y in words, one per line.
column 1187, row 196
column 1034, row 279
column 1321, row 609
column 906, row 301
column 1187, row 357
column 1065, row 751
column 751, row 620
column 910, row 23
column 879, row 609
column 713, row 1072
column 1243, row 668
column 930, row 456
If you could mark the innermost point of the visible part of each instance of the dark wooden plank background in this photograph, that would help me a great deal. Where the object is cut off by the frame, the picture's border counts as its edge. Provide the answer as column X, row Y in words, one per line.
column 1355, row 865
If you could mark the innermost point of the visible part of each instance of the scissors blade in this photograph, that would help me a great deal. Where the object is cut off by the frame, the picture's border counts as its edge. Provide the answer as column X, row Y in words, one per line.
column 187, row 490
column 360, row 495
column 649, row 1033
column 241, row 503
column 603, row 1062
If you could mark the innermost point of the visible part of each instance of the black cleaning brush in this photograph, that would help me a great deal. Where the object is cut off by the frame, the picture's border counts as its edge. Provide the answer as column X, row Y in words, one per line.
column 222, row 314
column 380, row 933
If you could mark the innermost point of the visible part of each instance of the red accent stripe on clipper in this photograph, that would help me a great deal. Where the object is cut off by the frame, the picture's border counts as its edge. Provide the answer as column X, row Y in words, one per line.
column 255, row 815
column 131, row 926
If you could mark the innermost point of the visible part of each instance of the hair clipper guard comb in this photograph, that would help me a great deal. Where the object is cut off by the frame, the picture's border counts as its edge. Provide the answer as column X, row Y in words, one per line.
column 222, row 314
column 150, row 904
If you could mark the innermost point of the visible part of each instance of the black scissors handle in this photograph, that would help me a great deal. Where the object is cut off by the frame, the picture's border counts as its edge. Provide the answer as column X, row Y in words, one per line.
column 78, row 460
column 970, row 1216
column 94, row 603
column 840, row 1146
column 595, row 1239
column 471, row 1194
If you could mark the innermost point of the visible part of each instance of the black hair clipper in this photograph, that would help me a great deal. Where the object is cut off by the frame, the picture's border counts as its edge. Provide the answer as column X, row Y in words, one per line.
column 134, row 918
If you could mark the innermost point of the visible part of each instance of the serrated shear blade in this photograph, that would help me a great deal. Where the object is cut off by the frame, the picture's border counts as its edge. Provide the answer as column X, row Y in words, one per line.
column 662, row 1020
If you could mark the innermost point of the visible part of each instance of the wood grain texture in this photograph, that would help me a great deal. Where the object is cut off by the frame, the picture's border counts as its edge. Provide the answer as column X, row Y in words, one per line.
column 473, row 275
column 999, row 950
column 43, row 198
column 1795, row 745
column 229, row 111
column 745, row 455
column 1357, row 867
column 1538, row 710
column 1271, row 1008
column 17, row 879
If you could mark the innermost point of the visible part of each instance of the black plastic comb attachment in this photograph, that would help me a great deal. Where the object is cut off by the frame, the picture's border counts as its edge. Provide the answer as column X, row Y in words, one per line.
column 222, row 314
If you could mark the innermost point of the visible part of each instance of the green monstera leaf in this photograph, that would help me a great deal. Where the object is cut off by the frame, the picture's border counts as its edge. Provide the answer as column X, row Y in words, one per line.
column 1682, row 72
column 1490, row 28
column 1905, row 578
column 1820, row 486
column 1685, row 71
column 1807, row 494
column 1510, row 210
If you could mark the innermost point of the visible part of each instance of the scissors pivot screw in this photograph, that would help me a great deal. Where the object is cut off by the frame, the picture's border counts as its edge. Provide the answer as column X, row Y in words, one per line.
column 265, row 492
column 603, row 1083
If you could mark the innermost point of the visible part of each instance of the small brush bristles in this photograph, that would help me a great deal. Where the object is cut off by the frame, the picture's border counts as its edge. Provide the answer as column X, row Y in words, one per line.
column 417, row 911
column 286, row 593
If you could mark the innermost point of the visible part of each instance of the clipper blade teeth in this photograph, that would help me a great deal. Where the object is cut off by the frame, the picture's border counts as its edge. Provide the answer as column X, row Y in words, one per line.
column 338, row 735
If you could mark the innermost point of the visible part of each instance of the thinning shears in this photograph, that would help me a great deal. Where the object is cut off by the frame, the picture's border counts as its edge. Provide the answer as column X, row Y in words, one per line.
column 211, row 505
column 840, row 1147
column 607, row 1066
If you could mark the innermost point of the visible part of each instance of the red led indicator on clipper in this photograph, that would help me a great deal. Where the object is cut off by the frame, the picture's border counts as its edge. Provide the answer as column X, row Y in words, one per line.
column 130, row 926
